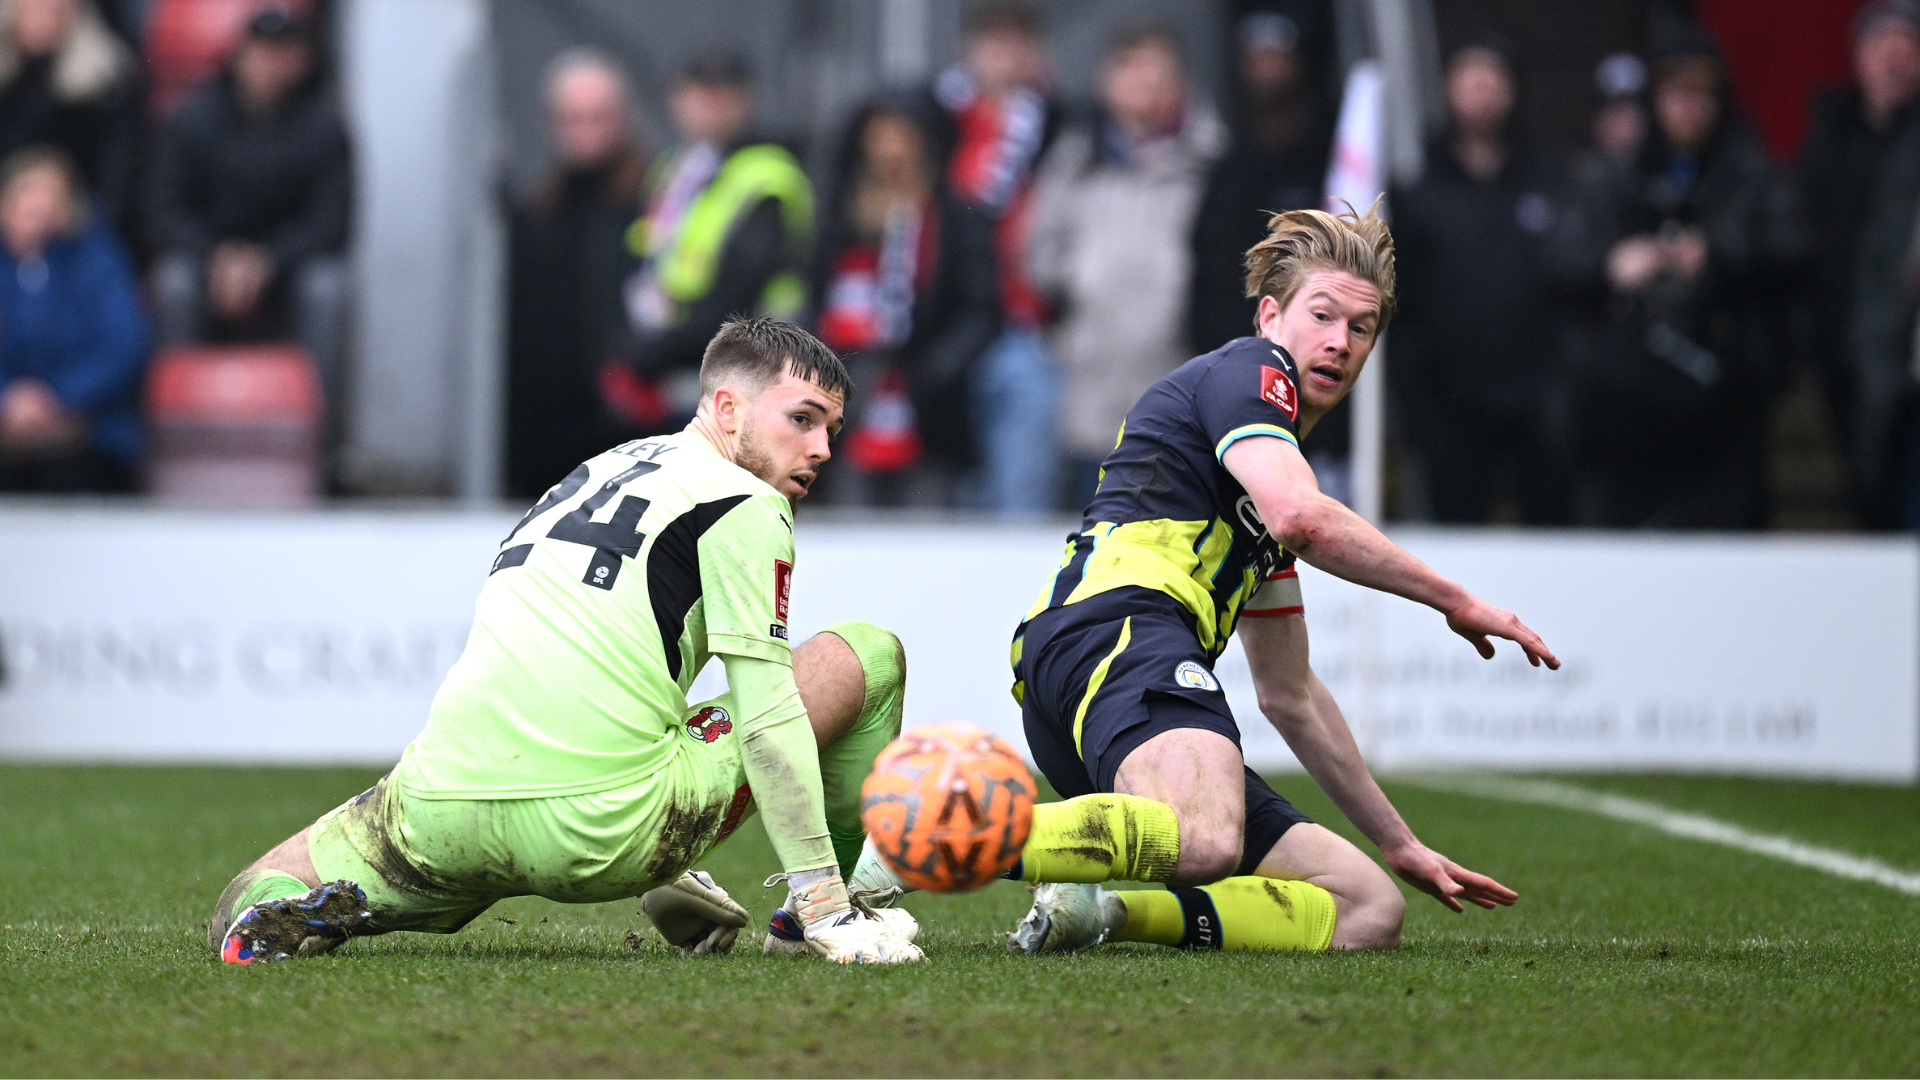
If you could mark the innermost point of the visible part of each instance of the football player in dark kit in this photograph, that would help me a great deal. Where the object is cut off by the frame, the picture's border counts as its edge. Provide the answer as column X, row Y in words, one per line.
column 1203, row 506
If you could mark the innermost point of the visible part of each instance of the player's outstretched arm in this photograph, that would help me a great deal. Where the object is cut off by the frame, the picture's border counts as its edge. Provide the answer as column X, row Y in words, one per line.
column 1304, row 712
column 1333, row 538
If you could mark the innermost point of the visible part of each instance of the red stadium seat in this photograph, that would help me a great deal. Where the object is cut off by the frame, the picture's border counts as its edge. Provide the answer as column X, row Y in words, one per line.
column 188, row 41
column 234, row 425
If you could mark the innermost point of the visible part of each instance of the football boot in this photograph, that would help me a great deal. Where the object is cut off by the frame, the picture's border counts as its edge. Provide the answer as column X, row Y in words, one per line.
column 1067, row 917
column 297, row 926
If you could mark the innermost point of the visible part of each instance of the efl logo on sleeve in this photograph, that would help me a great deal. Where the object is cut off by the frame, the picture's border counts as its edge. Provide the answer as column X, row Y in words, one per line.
column 782, row 587
column 1277, row 389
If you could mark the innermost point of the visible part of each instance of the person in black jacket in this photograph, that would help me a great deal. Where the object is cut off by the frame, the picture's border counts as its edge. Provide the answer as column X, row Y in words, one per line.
column 1277, row 161
column 1680, row 267
column 567, row 264
column 1474, row 343
column 907, row 286
column 249, row 200
column 1853, row 152
column 67, row 81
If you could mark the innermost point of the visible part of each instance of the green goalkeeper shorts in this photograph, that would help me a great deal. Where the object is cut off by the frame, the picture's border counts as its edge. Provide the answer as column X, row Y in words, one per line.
column 435, row 864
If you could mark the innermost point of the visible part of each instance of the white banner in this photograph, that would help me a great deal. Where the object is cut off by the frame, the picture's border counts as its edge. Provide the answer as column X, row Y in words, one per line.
column 142, row 634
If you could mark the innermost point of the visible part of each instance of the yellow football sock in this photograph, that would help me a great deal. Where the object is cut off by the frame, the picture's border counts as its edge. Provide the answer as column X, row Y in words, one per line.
column 1239, row 914
column 1098, row 838
column 1153, row 916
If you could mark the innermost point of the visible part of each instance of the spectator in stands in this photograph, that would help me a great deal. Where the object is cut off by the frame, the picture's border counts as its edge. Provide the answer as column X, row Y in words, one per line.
column 67, row 81
column 1620, row 125
column 567, row 264
column 249, row 201
column 1282, row 136
column 1109, row 245
column 907, row 287
column 1858, row 176
column 73, row 338
column 1474, row 340
column 1680, row 267
column 1002, row 117
column 727, row 227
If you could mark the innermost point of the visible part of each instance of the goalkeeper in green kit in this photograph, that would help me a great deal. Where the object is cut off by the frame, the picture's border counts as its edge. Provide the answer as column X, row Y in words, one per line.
column 561, row 757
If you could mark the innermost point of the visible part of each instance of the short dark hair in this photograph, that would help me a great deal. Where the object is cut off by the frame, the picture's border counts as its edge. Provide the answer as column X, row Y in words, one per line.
column 1004, row 17
column 274, row 23
column 1147, row 31
column 758, row 351
column 32, row 158
column 1879, row 13
column 717, row 65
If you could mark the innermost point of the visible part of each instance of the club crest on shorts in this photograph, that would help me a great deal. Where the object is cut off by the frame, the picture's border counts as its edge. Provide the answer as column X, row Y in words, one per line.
column 709, row 724
column 1195, row 677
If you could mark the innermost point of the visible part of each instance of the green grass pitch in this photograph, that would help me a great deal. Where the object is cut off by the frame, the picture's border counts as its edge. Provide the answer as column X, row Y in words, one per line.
column 1631, row 953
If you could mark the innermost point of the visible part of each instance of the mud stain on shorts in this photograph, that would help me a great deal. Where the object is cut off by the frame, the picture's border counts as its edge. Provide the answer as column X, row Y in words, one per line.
column 687, row 831
column 370, row 823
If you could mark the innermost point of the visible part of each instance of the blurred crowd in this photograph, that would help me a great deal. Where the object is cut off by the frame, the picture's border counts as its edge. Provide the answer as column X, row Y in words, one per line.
column 1601, row 340
column 1596, row 341
column 1005, row 276
column 1608, row 337
column 146, row 206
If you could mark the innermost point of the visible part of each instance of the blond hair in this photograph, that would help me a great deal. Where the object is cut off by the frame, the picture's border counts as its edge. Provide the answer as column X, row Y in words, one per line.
column 1299, row 242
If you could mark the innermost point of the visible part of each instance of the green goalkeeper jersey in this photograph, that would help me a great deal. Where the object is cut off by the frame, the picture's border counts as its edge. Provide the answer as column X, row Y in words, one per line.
column 602, row 605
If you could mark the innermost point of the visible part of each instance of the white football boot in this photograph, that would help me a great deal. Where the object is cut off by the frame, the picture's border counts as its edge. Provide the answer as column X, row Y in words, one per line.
column 1067, row 917
column 872, row 877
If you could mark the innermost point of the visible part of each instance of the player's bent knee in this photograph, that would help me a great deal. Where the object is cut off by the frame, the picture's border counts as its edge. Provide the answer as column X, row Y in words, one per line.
column 882, row 658
column 869, row 641
column 1207, row 856
column 1372, row 911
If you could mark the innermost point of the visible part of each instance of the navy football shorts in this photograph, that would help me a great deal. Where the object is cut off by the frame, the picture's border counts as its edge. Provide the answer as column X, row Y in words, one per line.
column 1106, row 674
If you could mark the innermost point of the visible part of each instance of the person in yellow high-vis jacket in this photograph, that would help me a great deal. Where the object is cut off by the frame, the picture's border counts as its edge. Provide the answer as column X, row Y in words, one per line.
column 726, row 229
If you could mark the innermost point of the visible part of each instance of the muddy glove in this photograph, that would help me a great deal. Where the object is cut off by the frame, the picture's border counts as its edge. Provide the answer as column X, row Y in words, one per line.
column 695, row 914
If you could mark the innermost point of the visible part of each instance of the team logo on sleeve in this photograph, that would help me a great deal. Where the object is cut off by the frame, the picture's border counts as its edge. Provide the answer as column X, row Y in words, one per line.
column 782, row 587
column 1194, row 677
column 709, row 724
column 1249, row 516
column 1278, row 390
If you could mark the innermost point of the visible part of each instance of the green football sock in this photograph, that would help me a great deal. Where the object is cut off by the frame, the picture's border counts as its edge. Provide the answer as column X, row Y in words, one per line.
column 1239, row 914
column 250, row 888
column 845, row 764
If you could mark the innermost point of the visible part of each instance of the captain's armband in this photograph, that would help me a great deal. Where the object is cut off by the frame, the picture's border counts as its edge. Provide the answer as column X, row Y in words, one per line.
column 1277, row 596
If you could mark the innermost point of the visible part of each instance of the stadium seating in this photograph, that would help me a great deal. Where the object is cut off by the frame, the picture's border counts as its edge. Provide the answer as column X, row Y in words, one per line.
column 234, row 425
column 188, row 40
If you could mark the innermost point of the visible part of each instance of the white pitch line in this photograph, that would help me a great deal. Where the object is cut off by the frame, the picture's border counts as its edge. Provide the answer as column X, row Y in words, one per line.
column 1692, row 826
